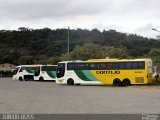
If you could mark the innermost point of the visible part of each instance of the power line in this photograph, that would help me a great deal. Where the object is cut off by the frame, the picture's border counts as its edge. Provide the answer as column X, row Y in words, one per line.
column 155, row 29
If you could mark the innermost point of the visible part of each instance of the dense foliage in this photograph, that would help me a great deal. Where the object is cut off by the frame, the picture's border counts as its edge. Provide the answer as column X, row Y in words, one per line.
column 28, row 46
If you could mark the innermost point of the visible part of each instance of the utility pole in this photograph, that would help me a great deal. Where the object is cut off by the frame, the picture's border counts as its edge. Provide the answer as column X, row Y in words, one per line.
column 68, row 39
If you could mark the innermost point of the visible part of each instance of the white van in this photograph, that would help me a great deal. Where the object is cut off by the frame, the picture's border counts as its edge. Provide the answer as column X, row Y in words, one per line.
column 24, row 72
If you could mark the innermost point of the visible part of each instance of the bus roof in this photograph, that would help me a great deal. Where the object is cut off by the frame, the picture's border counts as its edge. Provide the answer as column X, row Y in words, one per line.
column 117, row 60
column 47, row 65
column 34, row 65
column 107, row 60
column 27, row 65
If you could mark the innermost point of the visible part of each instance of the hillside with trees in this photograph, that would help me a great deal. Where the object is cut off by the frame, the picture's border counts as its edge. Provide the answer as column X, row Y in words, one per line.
column 47, row 46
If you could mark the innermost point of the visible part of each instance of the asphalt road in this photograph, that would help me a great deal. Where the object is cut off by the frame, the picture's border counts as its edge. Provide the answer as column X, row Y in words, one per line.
column 49, row 97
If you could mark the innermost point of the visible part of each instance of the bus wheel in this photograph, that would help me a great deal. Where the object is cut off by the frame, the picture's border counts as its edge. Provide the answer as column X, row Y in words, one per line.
column 20, row 79
column 41, row 79
column 116, row 82
column 126, row 82
column 70, row 82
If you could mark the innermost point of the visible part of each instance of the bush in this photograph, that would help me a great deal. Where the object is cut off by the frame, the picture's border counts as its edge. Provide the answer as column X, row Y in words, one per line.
column 5, row 74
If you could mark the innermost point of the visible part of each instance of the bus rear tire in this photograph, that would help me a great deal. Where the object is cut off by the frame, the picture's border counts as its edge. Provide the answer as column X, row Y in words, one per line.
column 117, row 82
column 20, row 79
column 70, row 82
column 126, row 82
column 41, row 79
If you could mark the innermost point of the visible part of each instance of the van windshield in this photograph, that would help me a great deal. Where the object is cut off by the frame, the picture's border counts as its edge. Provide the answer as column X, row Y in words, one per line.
column 15, row 70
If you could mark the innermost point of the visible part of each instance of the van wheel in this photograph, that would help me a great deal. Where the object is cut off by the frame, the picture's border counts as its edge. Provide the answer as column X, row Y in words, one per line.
column 20, row 79
column 116, row 82
column 126, row 82
column 41, row 79
column 70, row 82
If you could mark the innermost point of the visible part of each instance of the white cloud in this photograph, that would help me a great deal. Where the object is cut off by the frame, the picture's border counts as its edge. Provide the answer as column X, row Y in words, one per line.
column 123, row 15
column 147, row 30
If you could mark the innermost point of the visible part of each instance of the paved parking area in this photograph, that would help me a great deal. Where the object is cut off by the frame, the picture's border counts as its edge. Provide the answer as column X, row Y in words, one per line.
column 49, row 97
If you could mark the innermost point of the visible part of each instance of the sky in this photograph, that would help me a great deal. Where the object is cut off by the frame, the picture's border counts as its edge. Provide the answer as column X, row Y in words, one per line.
column 128, row 16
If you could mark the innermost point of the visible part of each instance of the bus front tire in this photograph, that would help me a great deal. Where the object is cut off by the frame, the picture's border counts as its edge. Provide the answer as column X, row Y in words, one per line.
column 116, row 82
column 41, row 79
column 20, row 79
column 70, row 82
column 126, row 82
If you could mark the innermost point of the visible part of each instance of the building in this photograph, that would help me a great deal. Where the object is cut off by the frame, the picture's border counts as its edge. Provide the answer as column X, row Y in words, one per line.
column 6, row 67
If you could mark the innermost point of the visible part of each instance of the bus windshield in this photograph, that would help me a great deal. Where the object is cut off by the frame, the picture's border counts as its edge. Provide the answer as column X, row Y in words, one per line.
column 60, row 70
column 37, row 71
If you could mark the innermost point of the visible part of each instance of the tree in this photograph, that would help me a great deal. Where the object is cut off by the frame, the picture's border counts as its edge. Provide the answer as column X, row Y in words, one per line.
column 117, row 52
column 87, row 51
column 50, row 60
column 53, row 43
column 26, row 60
column 158, row 37
column 93, row 51
column 66, row 57
column 154, row 54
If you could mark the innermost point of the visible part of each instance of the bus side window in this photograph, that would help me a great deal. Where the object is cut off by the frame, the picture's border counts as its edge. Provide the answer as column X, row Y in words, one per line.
column 135, row 65
column 115, row 66
column 128, row 65
column 121, row 65
column 109, row 66
column 141, row 65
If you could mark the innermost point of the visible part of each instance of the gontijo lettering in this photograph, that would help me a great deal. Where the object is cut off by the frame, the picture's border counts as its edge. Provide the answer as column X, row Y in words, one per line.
column 108, row 72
